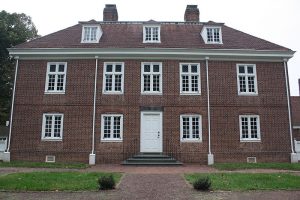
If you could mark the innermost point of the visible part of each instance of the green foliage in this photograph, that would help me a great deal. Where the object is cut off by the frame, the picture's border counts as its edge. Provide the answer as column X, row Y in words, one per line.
column 43, row 165
column 14, row 29
column 106, row 182
column 53, row 181
column 202, row 183
column 249, row 181
column 238, row 166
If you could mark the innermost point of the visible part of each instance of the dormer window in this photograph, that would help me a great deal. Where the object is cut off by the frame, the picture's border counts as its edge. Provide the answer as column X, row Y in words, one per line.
column 151, row 34
column 212, row 35
column 91, row 34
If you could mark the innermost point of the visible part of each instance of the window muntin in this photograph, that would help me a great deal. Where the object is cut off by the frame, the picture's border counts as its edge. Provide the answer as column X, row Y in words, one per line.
column 151, row 34
column 52, row 126
column 91, row 34
column 56, row 77
column 249, row 128
column 190, row 128
column 189, row 78
column 113, row 78
column 246, row 78
column 112, row 127
column 151, row 81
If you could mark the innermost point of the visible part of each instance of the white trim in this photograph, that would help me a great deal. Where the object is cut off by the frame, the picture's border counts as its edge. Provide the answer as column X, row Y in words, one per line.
column 12, row 103
column 189, row 74
column 56, row 73
column 249, row 139
column 143, row 113
column 247, row 93
column 151, row 73
column 111, row 139
column 113, row 73
column 52, row 138
column 296, row 127
column 94, row 104
column 151, row 27
column 288, row 103
column 190, row 128
column 204, row 34
column 47, row 159
column 98, row 33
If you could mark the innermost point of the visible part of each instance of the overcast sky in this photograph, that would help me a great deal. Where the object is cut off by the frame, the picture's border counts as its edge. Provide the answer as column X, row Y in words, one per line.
column 277, row 21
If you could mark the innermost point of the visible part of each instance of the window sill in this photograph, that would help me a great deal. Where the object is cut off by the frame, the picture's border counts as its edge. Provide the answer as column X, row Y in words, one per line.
column 107, row 140
column 188, row 93
column 191, row 141
column 113, row 93
column 47, row 92
column 151, row 42
column 52, row 139
column 245, row 140
column 248, row 94
column 151, row 93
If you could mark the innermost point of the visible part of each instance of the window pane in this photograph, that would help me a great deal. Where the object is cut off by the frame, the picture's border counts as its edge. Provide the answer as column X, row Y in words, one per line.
column 118, row 68
column 156, row 83
column 194, row 68
column 51, row 82
column 146, row 68
column 185, row 83
column 209, row 35
column 242, row 81
column 117, row 127
column 185, row 68
column 244, row 121
column 251, row 85
column 107, row 128
column 194, row 83
column 146, row 82
column 148, row 33
column 118, row 82
column 241, row 69
column 109, row 68
column 60, row 82
column 195, row 126
column 253, row 123
column 57, row 126
column 185, row 128
column 48, row 126
column 155, row 68
column 250, row 70
column 61, row 68
column 108, row 82
column 52, row 68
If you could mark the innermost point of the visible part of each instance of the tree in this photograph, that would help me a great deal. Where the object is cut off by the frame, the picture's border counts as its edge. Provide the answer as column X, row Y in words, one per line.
column 14, row 29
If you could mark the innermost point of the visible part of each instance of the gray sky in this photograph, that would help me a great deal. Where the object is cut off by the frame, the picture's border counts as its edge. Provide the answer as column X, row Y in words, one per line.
column 277, row 21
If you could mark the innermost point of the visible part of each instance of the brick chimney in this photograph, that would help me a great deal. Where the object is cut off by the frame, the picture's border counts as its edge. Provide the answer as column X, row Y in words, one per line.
column 191, row 13
column 110, row 12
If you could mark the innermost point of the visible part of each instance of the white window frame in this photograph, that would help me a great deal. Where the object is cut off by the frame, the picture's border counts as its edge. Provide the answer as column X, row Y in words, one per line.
column 98, row 33
column 151, row 73
column 56, row 73
column 249, row 139
column 205, row 37
column 151, row 27
column 113, row 73
column 102, row 139
column 52, row 138
column 190, row 116
column 246, row 79
column 189, row 74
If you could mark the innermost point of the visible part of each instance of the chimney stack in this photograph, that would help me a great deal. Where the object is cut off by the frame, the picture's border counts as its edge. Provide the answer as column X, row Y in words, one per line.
column 191, row 13
column 110, row 12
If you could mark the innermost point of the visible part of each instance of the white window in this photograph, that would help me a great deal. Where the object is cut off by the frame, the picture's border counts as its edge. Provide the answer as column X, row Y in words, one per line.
column 249, row 128
column 151, row 34
column 56, row 77
column 151, row 81
column 91, row 34
column 189, row 78
column 113, row 78
column 212, row 35
column 112, row 127
column 246, row 78
column 190, row 128
column 52, row 126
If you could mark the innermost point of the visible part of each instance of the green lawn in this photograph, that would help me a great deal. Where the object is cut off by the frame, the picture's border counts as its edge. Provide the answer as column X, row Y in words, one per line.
column 43, row 165
column 243, row 181
column 53, row 181
column 237, row 166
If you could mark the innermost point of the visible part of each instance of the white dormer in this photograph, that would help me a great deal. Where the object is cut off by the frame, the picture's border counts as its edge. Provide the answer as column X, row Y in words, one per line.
column 151, row 33
column 212, row 34
column 91, row 33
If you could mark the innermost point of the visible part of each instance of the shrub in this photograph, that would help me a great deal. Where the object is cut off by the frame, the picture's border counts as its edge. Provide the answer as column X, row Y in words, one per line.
column 106, row 182
column 202, row 183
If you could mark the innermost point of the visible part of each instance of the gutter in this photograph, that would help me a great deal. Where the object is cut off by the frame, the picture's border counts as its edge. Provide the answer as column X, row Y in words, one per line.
column 94, row 107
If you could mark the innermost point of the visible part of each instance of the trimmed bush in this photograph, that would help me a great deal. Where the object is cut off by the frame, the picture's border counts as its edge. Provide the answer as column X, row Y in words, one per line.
column 202, row 183
column 106, row 182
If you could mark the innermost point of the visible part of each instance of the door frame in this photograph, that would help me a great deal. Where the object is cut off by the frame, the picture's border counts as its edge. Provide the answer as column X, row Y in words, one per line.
column 160, row 113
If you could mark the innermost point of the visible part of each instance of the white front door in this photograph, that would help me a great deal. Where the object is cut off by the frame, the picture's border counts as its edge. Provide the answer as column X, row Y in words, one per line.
column 151, row 132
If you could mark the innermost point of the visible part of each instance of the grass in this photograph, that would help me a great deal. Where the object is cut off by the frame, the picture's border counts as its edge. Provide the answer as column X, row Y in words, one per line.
column 237, row 166
column 53, row 181
column 43, row 165
column 243, row 181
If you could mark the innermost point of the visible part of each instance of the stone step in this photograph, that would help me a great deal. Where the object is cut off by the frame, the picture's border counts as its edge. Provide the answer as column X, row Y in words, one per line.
column 152, row 163
column 151, row 159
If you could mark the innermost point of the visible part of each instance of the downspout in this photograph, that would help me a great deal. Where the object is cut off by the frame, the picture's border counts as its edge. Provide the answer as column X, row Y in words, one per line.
column 12, row 111
column 288, row 102
column 92, row 160
column 210, row 156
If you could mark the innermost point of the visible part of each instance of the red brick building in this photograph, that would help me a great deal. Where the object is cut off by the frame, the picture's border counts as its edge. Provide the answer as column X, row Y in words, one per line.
column 103, row 91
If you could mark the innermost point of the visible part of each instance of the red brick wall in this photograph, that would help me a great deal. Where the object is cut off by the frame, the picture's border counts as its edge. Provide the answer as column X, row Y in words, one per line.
column 77, row 106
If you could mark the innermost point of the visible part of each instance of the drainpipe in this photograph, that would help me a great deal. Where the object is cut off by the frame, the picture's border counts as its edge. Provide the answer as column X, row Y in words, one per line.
column 293, row 154
column 7, row 153
column 92, row 157
column 210, row 156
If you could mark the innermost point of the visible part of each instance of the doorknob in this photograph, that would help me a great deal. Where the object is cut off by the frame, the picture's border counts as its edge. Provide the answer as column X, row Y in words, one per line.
column 158, row 134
